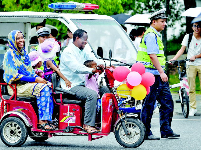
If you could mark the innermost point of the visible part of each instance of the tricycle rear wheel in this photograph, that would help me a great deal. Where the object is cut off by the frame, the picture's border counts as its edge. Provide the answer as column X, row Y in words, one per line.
column 137, row 133
column 13, row 131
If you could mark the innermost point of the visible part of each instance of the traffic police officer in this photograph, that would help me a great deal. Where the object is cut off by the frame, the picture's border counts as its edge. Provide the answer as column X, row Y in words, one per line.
column 151, row 54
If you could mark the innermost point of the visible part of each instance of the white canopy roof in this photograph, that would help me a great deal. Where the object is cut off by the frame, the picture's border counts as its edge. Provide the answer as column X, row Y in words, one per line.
column 192, row 12
column 138, row 19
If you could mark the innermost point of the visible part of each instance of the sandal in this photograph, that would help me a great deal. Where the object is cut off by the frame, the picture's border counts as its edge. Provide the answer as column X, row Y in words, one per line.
column 52, row 124
column 45, row 127
column 90, row 129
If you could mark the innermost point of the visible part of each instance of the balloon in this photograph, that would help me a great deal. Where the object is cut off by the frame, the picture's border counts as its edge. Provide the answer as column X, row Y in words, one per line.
column 147, row 89
column 129, row 86
column 134, row 78
column 138, row 67
column 120, row 73
column 123, row 90
column 148, row 79
column 139, row 92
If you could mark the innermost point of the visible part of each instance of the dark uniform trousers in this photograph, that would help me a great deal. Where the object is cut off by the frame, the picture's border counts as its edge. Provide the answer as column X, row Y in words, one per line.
column 159, row 91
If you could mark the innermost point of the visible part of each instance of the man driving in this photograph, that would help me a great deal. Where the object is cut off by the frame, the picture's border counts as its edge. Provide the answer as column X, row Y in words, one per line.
column 72, row 67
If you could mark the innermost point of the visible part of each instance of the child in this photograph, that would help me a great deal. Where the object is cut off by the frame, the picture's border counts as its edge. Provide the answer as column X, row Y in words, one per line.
column 36, row 63
column 91, row 80
column 47, row 51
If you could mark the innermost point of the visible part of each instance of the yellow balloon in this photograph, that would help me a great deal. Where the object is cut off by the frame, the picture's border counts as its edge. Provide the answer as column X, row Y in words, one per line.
column 123, row 91
column 139, row 92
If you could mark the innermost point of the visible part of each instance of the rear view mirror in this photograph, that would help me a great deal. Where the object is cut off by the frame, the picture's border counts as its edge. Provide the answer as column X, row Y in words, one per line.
column 100, row 52
column 110, row 54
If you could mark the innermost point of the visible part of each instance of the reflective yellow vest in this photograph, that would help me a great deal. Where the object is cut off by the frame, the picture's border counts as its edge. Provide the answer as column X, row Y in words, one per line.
column 144, row 58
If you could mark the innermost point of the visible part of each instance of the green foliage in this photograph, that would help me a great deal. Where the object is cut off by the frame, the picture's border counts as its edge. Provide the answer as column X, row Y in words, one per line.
column 106, row 7
column 172, row 47
column 173, row 79
column 197, row 82
column 60, row 26
column 1, row 6
column 174, row 44
column 150, row 6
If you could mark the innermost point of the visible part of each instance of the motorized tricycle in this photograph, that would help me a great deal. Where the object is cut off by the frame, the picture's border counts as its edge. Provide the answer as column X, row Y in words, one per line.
column 19, row 117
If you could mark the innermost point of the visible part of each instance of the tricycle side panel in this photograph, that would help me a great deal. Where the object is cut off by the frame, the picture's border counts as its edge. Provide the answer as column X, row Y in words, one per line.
column 70, row 115
column 19, row 108
column 107, row 112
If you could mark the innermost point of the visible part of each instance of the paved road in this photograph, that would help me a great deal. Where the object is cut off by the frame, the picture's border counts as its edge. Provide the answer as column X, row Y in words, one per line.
column 189, row 129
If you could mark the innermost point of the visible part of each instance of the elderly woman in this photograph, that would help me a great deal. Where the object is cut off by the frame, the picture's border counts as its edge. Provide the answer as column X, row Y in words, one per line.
column 17, row 67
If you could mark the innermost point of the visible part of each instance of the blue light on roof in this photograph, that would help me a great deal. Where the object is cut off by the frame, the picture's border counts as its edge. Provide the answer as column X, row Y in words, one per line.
column 73, row 6
column 63, row 6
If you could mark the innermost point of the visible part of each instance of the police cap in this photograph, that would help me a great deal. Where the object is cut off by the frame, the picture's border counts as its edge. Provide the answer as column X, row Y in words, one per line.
column 159, row 15
column 44, row 31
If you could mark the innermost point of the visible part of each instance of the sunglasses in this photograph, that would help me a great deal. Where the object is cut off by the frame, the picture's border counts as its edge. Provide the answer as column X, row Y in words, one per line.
column 196, row 26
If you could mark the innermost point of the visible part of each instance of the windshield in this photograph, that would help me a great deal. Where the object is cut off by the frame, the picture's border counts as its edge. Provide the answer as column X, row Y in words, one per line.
column 107, row 34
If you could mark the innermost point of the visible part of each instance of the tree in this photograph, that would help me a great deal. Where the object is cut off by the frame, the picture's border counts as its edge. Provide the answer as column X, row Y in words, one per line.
column 106, row 7
column 173, row 7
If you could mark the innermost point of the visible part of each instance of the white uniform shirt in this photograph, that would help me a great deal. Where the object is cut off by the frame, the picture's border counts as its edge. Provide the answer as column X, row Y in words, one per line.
column 136, row 42
column 65, row 42
column 194, row 49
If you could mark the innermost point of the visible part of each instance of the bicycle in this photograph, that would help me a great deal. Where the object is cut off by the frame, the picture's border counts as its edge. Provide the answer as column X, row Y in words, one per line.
column 183, row 85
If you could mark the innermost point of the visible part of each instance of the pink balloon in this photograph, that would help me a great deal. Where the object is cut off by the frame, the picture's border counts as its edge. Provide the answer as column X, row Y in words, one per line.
column 148, row 79
column 120, row 73
column 148, row 89
column 138, row 67
column 129, row 86
column 134, row 78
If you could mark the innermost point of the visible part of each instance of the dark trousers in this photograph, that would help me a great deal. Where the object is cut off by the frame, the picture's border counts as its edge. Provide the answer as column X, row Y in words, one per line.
column 90, row 98
column 159, row 91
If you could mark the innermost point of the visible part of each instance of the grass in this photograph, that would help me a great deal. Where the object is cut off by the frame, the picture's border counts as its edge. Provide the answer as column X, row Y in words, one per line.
column 173, row 79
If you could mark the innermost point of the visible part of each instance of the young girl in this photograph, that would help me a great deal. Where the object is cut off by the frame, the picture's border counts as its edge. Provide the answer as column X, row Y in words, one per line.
column 47, row 51
column 36, row 63
column 91, row 80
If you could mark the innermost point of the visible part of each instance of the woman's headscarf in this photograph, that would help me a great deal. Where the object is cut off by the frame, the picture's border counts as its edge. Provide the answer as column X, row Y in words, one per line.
column 16, row 64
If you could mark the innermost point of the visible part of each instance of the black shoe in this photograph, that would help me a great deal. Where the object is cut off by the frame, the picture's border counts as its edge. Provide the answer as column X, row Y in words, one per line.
column 172, row 135
column 152, row 137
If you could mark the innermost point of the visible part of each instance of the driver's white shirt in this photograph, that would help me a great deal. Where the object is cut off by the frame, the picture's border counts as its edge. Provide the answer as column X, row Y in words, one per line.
column 72, row 65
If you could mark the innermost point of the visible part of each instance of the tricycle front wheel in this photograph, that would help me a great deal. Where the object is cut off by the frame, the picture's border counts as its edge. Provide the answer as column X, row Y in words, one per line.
column 13, row 131
column 136, row 131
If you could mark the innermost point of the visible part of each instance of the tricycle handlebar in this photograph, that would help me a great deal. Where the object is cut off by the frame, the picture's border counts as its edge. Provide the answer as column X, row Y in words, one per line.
column 177, row 61
column 117, row 61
